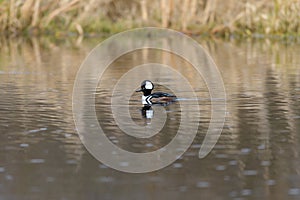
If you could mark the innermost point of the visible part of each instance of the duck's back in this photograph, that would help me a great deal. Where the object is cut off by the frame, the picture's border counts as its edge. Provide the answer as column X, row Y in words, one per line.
column 162, row 94
column 162, row 98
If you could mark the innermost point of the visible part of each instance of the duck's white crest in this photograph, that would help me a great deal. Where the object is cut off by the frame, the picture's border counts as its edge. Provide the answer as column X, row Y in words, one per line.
column 149, row 85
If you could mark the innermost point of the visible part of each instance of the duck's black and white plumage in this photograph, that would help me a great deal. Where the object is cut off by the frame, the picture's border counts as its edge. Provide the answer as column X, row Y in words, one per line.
column 150, row 98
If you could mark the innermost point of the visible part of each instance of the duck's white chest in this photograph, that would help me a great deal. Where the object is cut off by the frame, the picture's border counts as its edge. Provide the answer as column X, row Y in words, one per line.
column 146, row 100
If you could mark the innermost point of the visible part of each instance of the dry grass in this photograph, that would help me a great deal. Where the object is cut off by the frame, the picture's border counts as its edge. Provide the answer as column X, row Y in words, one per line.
column 220, row 17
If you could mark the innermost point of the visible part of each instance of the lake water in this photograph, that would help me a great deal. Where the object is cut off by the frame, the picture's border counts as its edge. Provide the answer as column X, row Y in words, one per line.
column 256, row 157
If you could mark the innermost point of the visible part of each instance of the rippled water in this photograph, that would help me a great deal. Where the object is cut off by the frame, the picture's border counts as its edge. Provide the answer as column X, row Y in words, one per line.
column 256, row 157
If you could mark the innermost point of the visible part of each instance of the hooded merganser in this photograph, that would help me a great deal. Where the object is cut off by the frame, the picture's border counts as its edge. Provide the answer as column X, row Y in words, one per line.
column 149, row 98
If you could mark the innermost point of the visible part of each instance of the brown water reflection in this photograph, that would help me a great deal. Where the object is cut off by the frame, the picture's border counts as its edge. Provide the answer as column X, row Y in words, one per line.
column 257, row 156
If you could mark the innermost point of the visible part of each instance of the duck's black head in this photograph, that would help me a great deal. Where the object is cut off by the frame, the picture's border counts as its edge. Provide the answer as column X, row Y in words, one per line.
column 146, row 87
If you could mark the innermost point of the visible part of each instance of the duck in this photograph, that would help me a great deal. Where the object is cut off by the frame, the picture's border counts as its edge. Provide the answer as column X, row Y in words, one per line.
column 150, row 98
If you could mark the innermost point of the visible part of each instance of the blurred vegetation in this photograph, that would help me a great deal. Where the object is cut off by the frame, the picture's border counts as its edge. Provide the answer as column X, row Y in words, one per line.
column 93, row 17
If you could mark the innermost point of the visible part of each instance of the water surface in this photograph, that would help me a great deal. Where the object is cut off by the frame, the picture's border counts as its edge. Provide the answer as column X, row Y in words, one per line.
column 256, row 157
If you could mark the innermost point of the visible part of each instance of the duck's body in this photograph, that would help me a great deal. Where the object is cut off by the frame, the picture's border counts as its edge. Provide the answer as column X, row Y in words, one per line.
column 150, row 98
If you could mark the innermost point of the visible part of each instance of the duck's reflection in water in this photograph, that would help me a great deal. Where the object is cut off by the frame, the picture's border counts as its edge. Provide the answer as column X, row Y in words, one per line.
column 147, row 113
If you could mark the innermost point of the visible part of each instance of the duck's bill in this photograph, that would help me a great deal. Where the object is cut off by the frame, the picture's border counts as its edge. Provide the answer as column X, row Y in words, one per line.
column 139, row 90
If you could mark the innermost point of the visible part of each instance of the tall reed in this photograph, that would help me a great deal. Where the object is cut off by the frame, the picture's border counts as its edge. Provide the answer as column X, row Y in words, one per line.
column 196, row 16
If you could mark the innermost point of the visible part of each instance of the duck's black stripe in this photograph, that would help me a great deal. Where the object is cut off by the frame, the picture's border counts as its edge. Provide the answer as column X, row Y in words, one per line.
column 148, row 99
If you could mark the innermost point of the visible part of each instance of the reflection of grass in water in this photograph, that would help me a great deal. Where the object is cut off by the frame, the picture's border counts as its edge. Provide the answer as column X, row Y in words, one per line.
column 216, row 17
